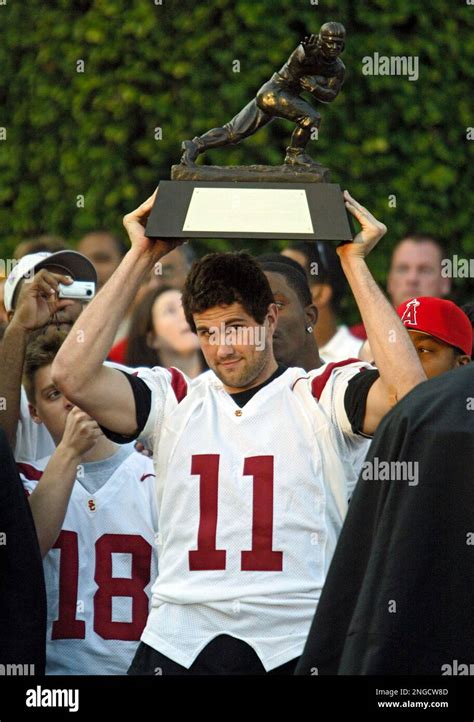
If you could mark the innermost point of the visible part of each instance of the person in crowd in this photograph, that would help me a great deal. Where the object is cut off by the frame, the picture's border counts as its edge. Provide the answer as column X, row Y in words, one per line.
column 440, row 331
column 174, row 267
column 399, row 601
column 105, row 251
column 170, row 272
column 99, row 562
column 293, row 341
column 254, row 462
column 415, row 269
column 23, row 593
column 161, row 336
column 328, row 286
column 47, row 243
column 33, row 307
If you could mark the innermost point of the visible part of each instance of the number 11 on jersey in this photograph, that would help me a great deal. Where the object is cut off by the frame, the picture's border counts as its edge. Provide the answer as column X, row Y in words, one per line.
column 261, row 557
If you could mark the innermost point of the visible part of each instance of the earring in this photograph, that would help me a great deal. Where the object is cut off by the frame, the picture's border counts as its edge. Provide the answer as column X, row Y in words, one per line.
column 309, row 329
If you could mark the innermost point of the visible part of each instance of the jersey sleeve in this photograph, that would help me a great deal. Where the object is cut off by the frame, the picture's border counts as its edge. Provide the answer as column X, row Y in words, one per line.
column 30, row 474
column 342, row 389
column 156, row 392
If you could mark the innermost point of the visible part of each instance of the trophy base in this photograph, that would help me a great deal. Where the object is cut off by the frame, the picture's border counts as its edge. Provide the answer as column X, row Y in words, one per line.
column 188, row 209
column 252, row 173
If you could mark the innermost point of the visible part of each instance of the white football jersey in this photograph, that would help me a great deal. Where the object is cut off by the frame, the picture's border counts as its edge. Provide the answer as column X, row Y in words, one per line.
column 251, row 502
column 100, row 570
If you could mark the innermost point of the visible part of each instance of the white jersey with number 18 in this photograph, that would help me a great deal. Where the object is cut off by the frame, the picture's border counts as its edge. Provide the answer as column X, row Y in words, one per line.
column 100, row 570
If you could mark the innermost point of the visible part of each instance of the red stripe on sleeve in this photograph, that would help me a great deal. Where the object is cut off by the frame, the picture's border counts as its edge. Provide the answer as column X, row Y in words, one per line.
column 29, row 471
column 178, row 384
column 318, row 383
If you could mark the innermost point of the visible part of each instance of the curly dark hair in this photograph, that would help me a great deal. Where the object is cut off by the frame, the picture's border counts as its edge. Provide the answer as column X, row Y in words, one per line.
column 293, row 273
column 220, row 279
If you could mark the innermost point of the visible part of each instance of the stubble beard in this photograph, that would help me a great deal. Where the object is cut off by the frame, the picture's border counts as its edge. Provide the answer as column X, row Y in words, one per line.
column 245, row 377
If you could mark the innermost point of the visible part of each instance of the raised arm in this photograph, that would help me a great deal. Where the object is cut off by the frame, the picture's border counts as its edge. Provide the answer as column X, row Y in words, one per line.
column 393, row 352
column 78, row 370
column 12, row 356
column 37, row 303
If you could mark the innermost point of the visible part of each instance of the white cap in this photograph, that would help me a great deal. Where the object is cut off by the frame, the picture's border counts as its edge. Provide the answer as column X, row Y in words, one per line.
column 73, row 264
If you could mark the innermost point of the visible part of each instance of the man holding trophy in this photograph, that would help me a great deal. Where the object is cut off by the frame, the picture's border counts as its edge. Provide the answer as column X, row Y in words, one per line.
column 254, row 462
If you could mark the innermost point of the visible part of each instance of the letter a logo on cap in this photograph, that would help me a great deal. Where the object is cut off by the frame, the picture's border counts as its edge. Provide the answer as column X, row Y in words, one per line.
column 409, row 315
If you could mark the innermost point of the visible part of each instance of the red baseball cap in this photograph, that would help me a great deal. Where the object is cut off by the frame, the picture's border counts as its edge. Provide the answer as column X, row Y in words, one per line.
column 439, row 318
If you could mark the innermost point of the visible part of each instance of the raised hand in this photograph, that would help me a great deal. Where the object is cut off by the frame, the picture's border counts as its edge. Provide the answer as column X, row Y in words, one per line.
column 370, row 234
column 38, row 299
column 135, row 223
column 309, row 44
column 81, row 432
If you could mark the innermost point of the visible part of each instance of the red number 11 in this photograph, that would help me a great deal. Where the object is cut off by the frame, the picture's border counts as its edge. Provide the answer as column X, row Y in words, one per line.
column 261, row 557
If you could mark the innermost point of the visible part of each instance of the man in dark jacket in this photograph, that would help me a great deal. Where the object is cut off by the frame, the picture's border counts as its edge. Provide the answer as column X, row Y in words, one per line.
column 398, row 596
column 22, row 588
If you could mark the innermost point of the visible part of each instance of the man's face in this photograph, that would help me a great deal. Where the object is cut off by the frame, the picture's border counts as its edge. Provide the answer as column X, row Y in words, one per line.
column 104, row 254
column 331, row 45
column 235, row 347
column 50, row 406
column 290, row 336
column 416, row 271
column 174, row 269
column 66, row 317
column 435, row 356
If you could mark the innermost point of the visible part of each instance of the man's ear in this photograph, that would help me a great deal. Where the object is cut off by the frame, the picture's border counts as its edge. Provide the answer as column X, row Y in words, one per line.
column 462, row 360
column 321, row 294
column 34, row 414
column 272, row 316
column 311, row 315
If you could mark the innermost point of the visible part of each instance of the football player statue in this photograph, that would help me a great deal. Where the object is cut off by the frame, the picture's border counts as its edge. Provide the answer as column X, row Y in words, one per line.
column 314, row 67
